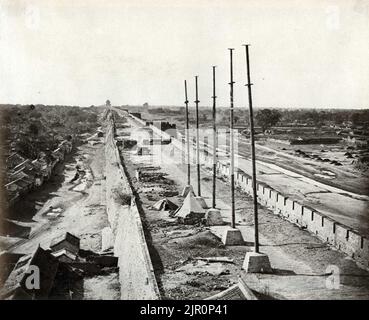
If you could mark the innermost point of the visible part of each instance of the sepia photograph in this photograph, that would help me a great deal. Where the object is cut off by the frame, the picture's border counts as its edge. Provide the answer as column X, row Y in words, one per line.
column 203, row 151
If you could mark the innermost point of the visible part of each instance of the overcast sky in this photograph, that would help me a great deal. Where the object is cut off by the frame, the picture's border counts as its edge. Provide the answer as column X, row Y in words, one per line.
column 303, row 53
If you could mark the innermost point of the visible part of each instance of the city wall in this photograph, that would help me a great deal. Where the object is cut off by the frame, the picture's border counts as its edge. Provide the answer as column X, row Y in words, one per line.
column 335, row 234
column 136, row 273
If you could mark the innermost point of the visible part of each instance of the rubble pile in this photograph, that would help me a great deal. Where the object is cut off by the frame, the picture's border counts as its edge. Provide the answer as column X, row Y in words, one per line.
column 55, row 273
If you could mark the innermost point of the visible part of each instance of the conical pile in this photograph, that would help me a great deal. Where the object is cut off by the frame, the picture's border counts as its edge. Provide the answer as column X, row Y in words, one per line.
column 165, row 205
column 191, row 211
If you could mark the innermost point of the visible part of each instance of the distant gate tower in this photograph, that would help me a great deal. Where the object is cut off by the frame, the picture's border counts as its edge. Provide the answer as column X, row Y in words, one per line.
column 107, row 103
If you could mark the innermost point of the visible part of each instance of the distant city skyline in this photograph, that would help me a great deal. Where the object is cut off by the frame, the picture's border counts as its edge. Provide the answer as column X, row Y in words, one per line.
column 311, row 54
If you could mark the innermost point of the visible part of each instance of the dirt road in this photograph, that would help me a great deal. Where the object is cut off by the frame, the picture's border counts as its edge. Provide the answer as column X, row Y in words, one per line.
column 82, row 201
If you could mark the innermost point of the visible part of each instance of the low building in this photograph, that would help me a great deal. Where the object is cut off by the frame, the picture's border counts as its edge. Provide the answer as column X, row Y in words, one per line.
column 59, row 154
column 143, row 151
column 66, row 146
column 13, row 160
column 26, row 164
column 64, row 255
column 356, row 140
column 20, row 181
column 305, row 140
column 68, row 242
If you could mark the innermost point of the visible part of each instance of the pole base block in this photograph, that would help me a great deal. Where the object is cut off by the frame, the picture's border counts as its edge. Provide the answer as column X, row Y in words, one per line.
column 186, row 190
column 213, row 218
column 257, row 263
column 232, row 237
column 202, row 202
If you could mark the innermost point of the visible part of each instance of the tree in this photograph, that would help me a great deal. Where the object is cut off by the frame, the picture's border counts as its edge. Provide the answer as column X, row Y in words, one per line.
column 339, row 117
column 314, row 116
column 33, row 129
column 356, row 118
column 267, row 118
column 92, row 117
column 35, row 114
column 73, row 112
column 26, row 147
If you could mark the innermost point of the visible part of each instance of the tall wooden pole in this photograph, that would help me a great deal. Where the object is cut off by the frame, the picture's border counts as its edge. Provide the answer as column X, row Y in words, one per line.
column 197, row 141
column 215, row 144
column 252, row 141
column 231, row 83
column 187, row 137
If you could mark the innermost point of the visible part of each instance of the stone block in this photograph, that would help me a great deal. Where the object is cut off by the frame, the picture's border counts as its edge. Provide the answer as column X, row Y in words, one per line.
column 202, row 202
column 256, row 263
column 232, row 237
column 213, row 217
